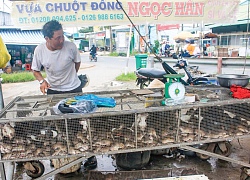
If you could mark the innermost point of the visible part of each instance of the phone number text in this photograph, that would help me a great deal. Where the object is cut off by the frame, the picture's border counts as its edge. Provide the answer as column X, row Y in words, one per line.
column 71, row 18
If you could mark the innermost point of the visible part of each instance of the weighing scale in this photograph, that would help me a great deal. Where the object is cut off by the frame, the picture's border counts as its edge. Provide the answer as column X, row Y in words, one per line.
column 174, row 91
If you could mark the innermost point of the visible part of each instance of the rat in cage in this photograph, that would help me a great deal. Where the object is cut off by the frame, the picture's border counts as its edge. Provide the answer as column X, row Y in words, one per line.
column 7, row 131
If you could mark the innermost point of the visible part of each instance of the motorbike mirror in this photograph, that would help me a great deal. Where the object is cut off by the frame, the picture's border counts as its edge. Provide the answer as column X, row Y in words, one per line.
column 182, row 63
column 178, row 65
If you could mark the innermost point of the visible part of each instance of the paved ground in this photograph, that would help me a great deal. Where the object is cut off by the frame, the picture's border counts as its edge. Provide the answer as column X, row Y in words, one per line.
column 12, row 90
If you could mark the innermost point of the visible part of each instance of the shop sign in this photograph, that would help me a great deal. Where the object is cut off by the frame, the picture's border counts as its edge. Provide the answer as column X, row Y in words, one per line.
column 100, row 34
column 78, row 35
column 109, row 12
column 214, row 41
column 161, row 27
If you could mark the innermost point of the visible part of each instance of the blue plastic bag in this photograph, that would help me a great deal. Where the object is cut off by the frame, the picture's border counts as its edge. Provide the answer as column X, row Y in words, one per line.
column 80, row 106
column 99, row 101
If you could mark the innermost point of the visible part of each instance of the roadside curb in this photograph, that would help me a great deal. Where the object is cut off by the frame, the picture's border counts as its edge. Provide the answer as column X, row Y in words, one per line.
column 86, row 66
column 225, row 62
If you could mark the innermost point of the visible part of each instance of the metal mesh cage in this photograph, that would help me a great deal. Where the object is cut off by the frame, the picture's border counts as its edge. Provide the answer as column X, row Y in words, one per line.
column 29, row 129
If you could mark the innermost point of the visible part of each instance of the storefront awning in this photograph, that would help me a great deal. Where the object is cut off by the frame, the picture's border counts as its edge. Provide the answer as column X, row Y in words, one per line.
column 21, row 37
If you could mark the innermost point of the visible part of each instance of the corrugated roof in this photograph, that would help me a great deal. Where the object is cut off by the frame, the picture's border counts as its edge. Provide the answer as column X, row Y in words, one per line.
column 22, row 37
column 231, row 24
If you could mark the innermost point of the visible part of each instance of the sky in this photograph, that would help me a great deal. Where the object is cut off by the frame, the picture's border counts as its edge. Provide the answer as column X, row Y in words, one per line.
column 7, row 7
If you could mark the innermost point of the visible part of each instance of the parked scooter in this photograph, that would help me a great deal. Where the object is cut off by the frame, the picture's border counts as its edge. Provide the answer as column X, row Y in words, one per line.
column 146, row 75
column 169, row 52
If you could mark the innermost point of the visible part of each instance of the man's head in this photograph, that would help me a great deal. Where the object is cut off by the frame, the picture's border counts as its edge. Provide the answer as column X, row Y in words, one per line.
column 53, row 34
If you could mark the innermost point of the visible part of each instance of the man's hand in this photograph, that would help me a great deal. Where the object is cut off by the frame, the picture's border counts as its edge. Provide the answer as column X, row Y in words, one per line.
column 44, row 86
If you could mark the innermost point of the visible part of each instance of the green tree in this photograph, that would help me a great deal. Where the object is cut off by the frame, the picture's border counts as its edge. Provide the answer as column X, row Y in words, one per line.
column 156, row 46
column 86, row 29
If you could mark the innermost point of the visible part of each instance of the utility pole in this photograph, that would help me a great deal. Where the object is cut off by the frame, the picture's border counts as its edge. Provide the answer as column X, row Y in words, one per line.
column 146, row 37
column 3, row 15
column 2, row 168
column 246, row 37
column 111, row 39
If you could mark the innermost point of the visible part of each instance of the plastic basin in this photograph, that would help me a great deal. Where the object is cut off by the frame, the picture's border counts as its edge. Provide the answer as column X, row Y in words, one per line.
column 227, row 80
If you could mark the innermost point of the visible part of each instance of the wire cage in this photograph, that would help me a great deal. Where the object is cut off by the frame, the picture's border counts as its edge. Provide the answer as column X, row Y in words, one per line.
column 29, row 128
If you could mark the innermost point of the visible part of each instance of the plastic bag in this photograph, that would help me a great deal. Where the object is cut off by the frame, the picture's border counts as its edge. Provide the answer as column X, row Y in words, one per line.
column 4, row 54
column 79, row 106
column 84, row 80
column 99, row 101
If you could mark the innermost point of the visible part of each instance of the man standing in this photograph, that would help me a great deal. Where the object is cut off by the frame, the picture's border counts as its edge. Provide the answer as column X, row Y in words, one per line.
column 61, row 61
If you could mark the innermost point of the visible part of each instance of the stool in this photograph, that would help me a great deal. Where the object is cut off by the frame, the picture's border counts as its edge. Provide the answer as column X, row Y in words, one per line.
column 28, row 67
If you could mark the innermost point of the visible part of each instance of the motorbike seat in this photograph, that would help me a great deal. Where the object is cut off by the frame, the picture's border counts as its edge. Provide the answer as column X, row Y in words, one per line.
column 151, row 72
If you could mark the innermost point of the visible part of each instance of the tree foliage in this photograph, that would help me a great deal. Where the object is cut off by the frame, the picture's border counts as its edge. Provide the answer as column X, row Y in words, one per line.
column 86, row 29
column 156, row 46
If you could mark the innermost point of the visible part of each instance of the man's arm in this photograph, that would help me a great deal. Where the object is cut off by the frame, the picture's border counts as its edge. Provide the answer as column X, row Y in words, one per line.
column 38, row 75
column 77, row 66
column 43, row 83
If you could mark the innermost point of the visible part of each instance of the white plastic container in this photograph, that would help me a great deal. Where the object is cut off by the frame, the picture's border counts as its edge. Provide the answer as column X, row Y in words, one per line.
column 190, row 98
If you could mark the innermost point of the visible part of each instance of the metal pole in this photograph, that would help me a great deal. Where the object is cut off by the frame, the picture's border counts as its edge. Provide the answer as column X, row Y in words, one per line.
column 129, row 39
column 2, row 169
column 1, row 96
column 246, row 37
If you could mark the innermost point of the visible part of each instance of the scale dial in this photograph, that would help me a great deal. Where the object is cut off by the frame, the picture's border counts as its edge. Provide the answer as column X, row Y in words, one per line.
column 176, row 91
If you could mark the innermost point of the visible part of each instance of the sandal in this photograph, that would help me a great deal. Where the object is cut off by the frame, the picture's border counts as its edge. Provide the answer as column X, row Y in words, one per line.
column 91, row 163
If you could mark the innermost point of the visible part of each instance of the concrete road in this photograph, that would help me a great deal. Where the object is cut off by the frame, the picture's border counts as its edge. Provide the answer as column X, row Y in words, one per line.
column 103, row 72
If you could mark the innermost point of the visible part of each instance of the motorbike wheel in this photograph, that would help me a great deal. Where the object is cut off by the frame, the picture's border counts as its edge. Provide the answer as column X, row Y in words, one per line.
column 203, row 156
column 227, row 152
column 144, row 84
column 243, row 175
column 39, row 169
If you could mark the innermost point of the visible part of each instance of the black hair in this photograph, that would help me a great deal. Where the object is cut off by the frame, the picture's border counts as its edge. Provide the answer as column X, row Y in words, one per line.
column 50, row 27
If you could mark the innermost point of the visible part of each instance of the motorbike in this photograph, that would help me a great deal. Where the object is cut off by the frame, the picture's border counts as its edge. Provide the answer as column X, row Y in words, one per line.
column 93, row 57
column 146, row 75
column 169, row 52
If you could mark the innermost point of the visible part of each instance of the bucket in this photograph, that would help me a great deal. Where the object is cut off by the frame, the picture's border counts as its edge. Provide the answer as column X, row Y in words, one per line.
column 141, row 61
column 190, row 98
column 133, row 160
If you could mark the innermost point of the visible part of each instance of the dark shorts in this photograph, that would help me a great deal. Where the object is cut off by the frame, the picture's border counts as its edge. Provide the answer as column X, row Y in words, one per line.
column 76, row 90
